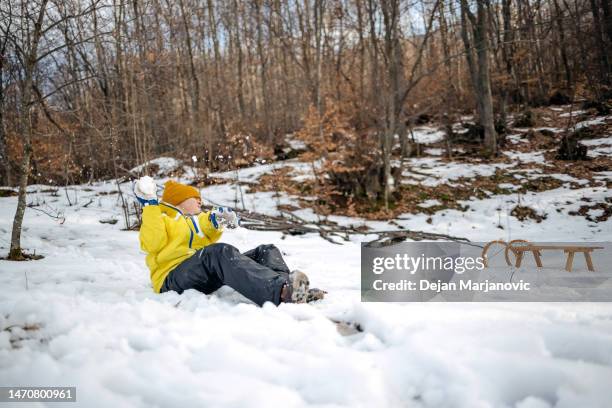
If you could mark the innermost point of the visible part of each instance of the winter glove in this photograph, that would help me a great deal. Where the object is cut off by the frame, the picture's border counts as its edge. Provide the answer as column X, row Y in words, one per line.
column 145, row 191
column 224, row 216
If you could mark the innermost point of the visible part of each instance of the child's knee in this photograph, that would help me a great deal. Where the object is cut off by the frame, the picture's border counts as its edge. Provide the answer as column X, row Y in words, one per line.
column 222, row 247
column 267, row 247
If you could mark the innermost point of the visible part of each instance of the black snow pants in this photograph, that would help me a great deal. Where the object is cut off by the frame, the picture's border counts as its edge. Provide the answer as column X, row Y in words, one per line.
column 258, row 274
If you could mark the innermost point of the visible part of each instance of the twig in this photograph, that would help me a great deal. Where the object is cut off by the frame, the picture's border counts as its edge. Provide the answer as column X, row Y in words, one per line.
column 59, row 215
column 239, row 189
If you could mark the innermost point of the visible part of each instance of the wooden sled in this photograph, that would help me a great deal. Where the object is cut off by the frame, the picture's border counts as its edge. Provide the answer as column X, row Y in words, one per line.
column 519, row 252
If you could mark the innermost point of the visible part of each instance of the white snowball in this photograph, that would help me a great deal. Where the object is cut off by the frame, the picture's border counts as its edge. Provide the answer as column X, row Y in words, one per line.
column 147, row 185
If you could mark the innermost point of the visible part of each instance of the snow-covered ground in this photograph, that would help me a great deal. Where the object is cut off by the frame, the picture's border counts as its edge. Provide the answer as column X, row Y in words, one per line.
column 86, row 316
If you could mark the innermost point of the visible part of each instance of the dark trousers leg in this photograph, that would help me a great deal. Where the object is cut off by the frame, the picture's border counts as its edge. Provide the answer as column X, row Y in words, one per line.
column 222, row 264
column 270, row 256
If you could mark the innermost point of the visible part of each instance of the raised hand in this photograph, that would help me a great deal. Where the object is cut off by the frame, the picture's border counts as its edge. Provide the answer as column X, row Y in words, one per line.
column 145, row 191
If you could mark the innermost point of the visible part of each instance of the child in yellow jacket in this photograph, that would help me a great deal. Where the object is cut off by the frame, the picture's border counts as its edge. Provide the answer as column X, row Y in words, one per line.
column 183, row 251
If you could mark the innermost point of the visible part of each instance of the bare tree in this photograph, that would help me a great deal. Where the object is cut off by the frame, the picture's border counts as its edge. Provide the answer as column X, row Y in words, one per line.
column 31, row 27
column 4, row 70
column 475, row 32
column 127, row 80
column 26, row 39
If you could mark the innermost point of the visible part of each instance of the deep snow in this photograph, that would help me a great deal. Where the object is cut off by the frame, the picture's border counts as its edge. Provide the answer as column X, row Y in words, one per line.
column 93, row 321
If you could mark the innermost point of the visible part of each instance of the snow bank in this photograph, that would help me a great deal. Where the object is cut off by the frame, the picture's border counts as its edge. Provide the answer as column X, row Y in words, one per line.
column 300, row 170
column 427, row 134
column 163, row 166
column 86, row 316
column 442, row 172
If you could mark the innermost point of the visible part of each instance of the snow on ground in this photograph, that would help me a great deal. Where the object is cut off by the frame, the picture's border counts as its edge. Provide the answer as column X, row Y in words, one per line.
column 597, row 121
column 300, row 170
column 295, row 144
column 444, row 172
column 93, row 321
column 526, row 157
column 516, row 139
column 428, row 134
column 574, row 113
column 597, row 142
column 165, row 166
column 249, row 174
column 600, row 151
column 550, row 129
column 598, row 147
column 429, row 203
column 490, row 219
column 434, row 151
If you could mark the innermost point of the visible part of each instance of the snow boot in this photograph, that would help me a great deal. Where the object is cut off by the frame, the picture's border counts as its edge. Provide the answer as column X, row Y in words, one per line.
column 315, row 294
column 296, row 288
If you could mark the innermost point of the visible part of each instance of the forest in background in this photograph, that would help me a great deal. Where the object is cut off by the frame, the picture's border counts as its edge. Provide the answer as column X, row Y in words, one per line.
column 91, row 88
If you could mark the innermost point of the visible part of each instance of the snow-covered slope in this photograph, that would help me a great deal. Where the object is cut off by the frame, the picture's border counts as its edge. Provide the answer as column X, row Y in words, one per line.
column 86, row 316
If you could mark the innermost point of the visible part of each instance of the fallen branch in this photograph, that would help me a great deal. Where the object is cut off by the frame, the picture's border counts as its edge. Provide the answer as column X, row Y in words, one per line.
column 52, row 212
column 393, row 237
column 289, row 223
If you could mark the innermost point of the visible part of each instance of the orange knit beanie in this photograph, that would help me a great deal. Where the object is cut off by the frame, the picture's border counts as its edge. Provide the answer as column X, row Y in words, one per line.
column 175, row 193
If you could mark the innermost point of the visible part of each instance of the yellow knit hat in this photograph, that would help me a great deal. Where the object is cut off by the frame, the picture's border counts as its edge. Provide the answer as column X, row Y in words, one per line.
column 175, row 193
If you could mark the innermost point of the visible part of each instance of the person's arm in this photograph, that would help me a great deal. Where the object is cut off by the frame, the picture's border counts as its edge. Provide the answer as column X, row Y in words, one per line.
column 211, row 232
column 153, row 236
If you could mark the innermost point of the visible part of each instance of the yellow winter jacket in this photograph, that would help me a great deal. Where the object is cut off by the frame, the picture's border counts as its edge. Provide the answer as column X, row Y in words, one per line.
column 169, row 237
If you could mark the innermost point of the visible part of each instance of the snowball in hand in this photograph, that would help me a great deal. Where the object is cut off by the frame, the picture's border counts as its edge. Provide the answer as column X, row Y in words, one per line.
column 147, row 185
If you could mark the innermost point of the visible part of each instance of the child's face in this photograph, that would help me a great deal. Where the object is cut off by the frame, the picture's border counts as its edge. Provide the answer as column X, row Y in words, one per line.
column 191, row 206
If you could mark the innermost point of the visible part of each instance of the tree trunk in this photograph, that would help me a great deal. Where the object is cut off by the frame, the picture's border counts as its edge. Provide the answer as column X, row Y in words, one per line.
column 562, row 44
column 390, row 10
column 263, row 60
column 5, row 178
column 487, row 119
column 30, row 63
column 219, row 85
column 605, row 6
column 240, row 63
column 601, row 44
column 478, row 62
